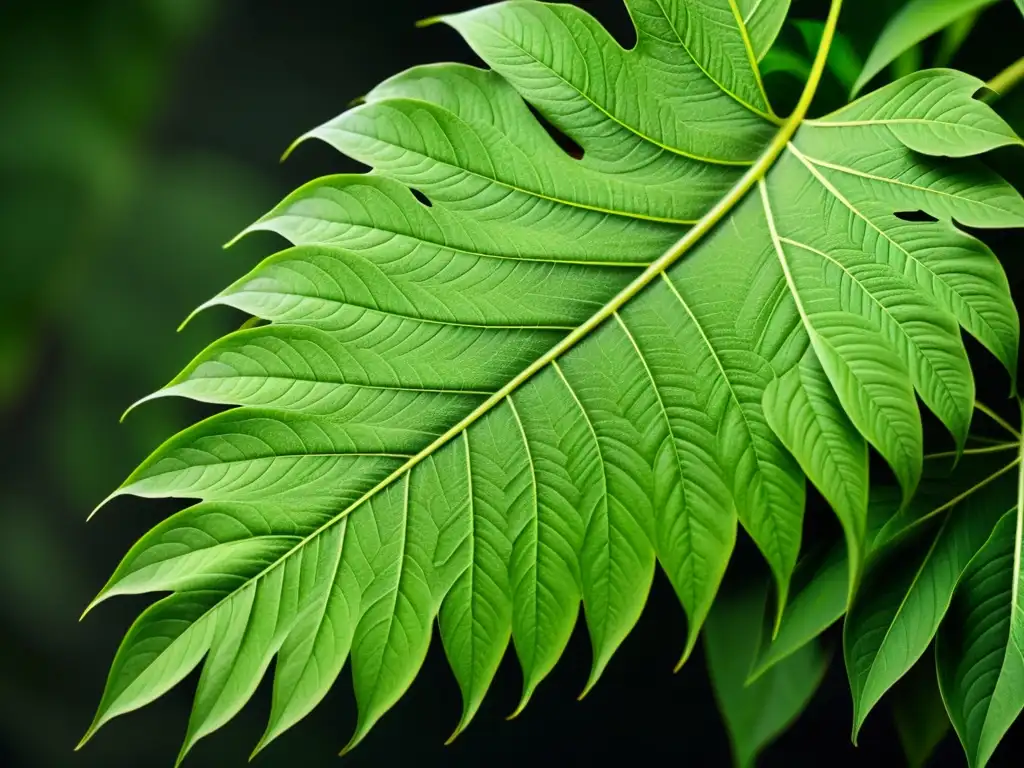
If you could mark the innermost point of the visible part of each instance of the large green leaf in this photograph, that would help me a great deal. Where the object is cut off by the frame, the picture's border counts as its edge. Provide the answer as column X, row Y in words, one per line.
column 755, row 713
column 491, row 388
column 914, row 22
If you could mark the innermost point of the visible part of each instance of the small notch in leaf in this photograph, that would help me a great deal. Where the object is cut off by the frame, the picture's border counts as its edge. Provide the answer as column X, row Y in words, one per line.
column 564, row 142
column 915, row 216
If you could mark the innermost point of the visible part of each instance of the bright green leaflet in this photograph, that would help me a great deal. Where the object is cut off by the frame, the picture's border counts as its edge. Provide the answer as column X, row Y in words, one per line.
column 517, row 395
column 914, row 22
column 757, row 713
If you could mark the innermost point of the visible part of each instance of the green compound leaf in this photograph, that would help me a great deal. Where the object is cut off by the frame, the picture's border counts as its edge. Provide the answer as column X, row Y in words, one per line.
column 489, row 387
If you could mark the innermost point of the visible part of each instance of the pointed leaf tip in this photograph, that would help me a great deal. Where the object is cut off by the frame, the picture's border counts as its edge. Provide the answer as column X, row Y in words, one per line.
column 691, row 643
column 165, row 392
column 363, row 727
column 429, row 22
column 192, row 314
column 352, row 744
column 523, row 701
column 600, row 663
column 102, row 504
column 291, row 147
column 455, row 734
column 236, row 238
column 780, row 609
column 92, row 604
column 589, row 686
column 258, row 748
column 85, row 739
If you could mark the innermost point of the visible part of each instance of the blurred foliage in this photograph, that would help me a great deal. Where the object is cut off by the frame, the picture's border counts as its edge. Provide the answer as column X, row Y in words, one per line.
column 88, row 82
column 91, row 219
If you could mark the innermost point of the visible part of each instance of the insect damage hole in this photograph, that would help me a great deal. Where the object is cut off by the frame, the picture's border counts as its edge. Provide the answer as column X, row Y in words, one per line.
column 918, row 216
column 424, row 200
column 564, row 142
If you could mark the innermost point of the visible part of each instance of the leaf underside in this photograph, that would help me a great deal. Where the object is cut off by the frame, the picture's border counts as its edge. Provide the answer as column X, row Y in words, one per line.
column 488, row 407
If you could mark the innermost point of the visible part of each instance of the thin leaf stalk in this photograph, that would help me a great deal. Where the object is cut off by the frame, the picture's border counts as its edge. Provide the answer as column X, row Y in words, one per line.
column 1005, row 81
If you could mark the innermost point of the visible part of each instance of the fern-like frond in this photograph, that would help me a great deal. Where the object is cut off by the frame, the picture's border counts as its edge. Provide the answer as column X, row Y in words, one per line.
column 556, row 372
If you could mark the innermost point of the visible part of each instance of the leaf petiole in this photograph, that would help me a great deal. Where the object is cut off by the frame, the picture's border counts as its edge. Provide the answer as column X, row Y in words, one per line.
column 997, row 418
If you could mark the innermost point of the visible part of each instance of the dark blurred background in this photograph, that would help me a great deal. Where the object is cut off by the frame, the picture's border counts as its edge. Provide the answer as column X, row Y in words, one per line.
column 135, row 138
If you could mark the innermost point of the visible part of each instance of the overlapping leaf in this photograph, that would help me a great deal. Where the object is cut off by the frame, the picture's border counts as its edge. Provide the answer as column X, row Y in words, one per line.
column 755, row 713
column 980, row 647
column 919, row 713
column 908, row 594
column 943, row 567
column 508, row 393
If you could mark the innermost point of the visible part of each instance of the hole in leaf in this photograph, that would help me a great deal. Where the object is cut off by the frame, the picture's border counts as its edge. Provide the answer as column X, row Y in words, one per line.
column 421, row 197
column 915, row 216
column 566, row 144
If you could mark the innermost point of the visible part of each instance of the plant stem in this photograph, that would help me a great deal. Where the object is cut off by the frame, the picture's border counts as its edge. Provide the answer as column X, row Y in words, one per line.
column 961, row 496
column 997, row 418
column 988, row 440
column 1004, row 82
column 996, row 448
